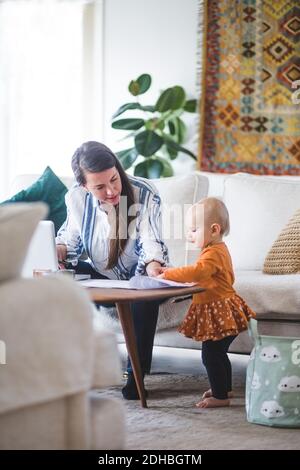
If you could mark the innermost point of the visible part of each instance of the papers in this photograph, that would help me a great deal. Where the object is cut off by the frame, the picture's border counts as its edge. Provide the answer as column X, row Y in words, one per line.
column 136, row 282
column 145, row 282
column 105, row 283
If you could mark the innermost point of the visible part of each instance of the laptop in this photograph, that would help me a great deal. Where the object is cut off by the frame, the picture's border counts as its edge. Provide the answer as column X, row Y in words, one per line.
column 42, row 252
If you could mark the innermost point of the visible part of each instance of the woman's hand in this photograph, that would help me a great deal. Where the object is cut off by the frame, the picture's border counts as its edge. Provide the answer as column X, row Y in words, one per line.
column 154, row 269
column 61, row 255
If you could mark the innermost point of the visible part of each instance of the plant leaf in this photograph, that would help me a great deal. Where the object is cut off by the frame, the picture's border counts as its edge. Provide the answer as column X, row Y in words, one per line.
column 178, row 147
column 172, row 128
column 128, row 124
column 124, row 108
column 127, row 106
column 147, row 143
column 141, row 170
column 134, row 88
column 148, row 107
column 127, row 157
column 151, row 168
column 177, row 129
column 178, row 97
column 144, row 82
column 181, row 130
column 140, row 85
column 165, row 101
column 168, row 170
column 154, row 168
column 190, row 106
column 171, row 152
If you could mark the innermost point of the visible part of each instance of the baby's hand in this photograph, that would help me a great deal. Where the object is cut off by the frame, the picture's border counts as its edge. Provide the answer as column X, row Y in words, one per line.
column 161, row 276
column 162, row 271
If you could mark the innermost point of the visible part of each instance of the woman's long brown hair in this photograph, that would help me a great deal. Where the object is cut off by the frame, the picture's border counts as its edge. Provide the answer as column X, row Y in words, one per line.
column 94, row 157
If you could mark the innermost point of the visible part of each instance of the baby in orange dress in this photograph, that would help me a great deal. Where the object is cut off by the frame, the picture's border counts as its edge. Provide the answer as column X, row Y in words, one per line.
column 216, row 315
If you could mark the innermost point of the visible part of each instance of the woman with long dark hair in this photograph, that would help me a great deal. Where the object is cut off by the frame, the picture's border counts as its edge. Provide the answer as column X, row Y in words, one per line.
column 116, row 220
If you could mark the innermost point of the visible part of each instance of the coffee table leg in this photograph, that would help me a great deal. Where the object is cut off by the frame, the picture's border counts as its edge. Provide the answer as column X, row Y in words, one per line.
column 125, row 316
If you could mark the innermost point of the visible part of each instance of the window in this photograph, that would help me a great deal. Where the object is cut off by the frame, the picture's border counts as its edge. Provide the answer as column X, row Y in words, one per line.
column 50, row 83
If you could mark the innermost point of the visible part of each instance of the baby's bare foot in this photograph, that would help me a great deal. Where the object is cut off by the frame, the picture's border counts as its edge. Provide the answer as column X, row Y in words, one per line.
column 208, row 394
column 212, row 402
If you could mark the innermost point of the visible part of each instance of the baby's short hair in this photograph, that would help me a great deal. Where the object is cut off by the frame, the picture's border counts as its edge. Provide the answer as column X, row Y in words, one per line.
column 215, row 211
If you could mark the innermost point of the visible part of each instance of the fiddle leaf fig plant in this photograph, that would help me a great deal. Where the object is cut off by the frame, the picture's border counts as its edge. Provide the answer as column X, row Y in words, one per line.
column 158, row 132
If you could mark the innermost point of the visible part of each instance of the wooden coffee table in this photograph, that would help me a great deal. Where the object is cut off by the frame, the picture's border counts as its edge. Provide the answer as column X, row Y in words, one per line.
column 122, row 298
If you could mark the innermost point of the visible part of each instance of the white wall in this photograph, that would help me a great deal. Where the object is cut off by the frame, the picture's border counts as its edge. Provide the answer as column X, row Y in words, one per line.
column 158, row 37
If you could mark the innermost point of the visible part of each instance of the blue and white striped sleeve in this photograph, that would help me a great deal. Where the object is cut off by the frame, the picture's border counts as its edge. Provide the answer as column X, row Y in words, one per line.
column 150, row 245
column 69, row 232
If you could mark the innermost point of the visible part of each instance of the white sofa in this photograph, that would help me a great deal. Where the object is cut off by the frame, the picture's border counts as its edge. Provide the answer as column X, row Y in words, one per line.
column 53, row 357
column 259, row 207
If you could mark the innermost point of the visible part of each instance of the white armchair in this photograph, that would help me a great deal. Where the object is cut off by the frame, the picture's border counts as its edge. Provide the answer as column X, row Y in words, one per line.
column 46, row 324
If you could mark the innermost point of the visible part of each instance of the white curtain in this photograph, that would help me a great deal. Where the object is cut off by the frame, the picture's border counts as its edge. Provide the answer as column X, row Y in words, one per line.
column 50, row 84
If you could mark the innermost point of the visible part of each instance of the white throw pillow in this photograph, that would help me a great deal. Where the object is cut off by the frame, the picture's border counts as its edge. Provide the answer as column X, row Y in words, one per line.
column 17, row 224
column 259, row 207
column 177, row 194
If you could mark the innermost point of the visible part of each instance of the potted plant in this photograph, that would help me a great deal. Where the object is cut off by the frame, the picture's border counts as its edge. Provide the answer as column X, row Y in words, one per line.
column 160, row 131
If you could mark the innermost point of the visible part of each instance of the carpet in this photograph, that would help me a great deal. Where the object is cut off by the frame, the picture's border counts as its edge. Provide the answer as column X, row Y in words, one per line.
column 250, row 116
column 172, row 422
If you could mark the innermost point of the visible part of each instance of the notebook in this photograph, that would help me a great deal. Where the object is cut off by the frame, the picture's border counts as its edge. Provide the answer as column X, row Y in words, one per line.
column 42, row 252
column 136, row 282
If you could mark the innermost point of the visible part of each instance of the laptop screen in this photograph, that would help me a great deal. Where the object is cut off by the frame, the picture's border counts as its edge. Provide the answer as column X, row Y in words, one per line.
column 41, row 253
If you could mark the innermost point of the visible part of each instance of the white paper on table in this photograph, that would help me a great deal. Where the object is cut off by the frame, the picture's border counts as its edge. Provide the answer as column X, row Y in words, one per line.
column 106, row 283
column 136, row 282
column 147, row 282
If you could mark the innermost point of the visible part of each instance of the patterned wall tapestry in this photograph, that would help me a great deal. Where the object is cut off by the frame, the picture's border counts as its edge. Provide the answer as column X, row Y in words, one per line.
column 250, row 118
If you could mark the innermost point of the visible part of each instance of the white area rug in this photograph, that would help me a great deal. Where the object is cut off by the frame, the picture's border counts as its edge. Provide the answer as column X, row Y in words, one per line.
column 172, row 422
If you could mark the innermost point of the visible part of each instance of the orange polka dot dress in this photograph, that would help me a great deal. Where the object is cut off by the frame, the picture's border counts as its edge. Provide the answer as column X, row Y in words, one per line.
column 218, row 311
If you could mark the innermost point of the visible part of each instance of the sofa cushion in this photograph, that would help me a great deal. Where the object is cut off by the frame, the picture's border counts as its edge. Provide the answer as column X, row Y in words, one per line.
column 49, row 189
column 272, row 297
column 47, row 326
column 259, row 207
column 284, row 255
column 171, row 314
column 177, row 194
column 17, row 224
column 107, row 371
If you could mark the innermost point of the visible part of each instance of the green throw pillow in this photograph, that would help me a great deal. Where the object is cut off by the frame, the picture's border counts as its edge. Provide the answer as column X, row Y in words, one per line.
column 49, row 189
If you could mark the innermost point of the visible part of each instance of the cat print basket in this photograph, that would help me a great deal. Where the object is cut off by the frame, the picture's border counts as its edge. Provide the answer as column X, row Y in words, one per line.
column 273, row 380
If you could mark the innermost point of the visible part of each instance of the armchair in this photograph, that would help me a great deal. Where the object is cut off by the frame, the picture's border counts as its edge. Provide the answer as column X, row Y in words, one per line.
column 51, row 366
